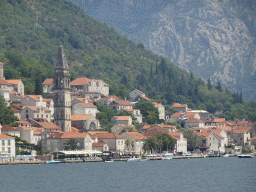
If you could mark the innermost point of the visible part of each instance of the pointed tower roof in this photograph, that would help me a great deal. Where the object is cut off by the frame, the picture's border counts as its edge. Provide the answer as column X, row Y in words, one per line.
column 61, row 59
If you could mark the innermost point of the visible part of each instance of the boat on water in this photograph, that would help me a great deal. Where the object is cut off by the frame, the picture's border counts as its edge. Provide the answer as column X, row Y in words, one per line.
column 244, row 156
column 109, row 161
column 52, row 162
column 226, row 155
column 167, row 156
column 152, row 157
column 134, row 159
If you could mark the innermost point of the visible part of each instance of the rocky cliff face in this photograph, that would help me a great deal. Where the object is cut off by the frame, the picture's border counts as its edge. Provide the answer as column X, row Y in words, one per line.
column 212, row 38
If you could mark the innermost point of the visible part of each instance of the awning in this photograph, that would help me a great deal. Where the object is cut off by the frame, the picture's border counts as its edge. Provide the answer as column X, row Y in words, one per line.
column 79, row 152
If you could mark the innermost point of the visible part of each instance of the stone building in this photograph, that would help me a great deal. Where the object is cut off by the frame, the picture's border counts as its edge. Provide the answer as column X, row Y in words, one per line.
column 114, row 141
column 61, row 89
column 125, row 120
column 57, row 141
column 136, row 141
column 35, row 112
column 7, row 144
column 83, row 84
column 84, row 122
column 84, row 108
column 48, row 85
column 181, row 142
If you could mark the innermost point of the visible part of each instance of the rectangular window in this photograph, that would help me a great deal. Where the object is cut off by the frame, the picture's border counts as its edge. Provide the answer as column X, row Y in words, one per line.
column 3, row 143
column 9, row 150
column 9, row 142
column 3, row 149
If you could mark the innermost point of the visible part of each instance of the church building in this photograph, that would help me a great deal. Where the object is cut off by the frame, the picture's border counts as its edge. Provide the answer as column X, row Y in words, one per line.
column 61, row 89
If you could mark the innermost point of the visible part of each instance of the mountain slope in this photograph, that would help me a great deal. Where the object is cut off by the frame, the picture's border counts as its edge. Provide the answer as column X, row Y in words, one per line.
column 212, row 38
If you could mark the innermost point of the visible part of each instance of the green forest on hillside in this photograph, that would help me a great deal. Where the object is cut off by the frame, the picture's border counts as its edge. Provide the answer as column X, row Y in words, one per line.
column 31, row 32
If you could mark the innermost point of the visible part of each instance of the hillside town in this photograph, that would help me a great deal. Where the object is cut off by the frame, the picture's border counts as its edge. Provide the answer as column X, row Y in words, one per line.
column 68, row 113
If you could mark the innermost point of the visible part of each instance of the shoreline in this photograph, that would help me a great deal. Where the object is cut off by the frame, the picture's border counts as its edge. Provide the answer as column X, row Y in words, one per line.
column 40, row 162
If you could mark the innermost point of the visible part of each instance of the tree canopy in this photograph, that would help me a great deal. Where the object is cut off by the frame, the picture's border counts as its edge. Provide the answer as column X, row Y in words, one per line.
column 162, row 142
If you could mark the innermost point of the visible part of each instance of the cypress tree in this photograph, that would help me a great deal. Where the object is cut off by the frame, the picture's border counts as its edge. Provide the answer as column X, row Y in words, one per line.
column 209, row 84
column 39, row 85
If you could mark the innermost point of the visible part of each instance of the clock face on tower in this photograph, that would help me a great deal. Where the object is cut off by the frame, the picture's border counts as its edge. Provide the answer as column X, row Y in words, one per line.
column 92, row 127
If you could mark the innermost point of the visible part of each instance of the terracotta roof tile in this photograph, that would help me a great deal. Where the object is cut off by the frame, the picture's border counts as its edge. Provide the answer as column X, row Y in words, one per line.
column 145, row 98
column 136, row 135
column 219, row 120
column 178, row 105
column 6, row 128
column 48, row 81
column 88, row 105
column 5, row 137
column 187, row 114
column 106, row 135
column 4, row 82
column 14, row 81
column 48, row 125
column 122, row 118
column 157, row 105
column 175, row 135
column 100, row 144
column 67, row 135
column 194, row 121
column 82, row 117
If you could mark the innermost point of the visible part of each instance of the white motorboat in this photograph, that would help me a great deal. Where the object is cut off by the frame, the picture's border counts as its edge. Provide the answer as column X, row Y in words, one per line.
column 167, row 156
column 226, row 155
column 134, row 159
column 244, row 156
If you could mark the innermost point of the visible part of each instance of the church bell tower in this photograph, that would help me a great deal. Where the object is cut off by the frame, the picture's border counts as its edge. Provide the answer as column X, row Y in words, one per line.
column 61, row 89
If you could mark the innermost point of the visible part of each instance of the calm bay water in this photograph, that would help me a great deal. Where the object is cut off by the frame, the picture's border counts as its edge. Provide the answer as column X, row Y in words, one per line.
column 209, row 174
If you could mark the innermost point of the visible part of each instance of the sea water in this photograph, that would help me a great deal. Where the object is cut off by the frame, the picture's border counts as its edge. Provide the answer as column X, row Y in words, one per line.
column 201, row 174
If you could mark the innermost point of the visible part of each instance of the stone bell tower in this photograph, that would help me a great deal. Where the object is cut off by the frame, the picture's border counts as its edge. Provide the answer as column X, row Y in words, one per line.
column 61, row 89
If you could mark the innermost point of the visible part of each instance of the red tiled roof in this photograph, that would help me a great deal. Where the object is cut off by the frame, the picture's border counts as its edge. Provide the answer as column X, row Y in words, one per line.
column 4, row 82
column 157, row 105
column 48, row 125
column 194, row 120
column 123, row 102
column 219, row 120
column 100, row 144
column 82, row 117
column 152, row 132
column 67, row 135
column 145, row 98
column 122, row 118
column 87, row 105
column 73, row 129
column 178, row 105
column 83, row 81
column 22, row 122
column 147, row 126
column 106, row 135
column 187, row 114
column 6, row 128
column 48, row 81
column 175, row 135
column 14, row 81
column 83, row 99
column 239, row 130
column 217, row 132
column 204, row 133
column 5, row 137
column 136, row 135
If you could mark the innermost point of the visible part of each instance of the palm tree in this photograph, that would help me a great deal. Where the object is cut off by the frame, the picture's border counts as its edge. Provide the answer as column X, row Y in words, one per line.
column 127, row 142
column 132, row 143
